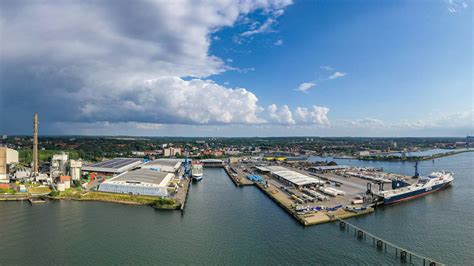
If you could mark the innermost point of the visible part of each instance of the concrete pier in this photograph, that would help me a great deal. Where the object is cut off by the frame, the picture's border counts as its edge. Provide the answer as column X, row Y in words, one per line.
column 383, row 245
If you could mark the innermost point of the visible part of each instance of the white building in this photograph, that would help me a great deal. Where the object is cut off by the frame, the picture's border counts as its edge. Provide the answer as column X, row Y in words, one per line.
column 139, row 182
column 364, row 153
column 58, row 165
column 75, row 169
column 8, row 157
column 164, row 165
column 22, row 173
column 290, row 177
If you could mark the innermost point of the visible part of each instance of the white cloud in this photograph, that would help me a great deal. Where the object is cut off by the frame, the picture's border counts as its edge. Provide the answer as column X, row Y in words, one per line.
column 455, row 6
column 265, row 27
column 278, row 42
column 300, row 116
column 316, row 115
column 91, row 60
column 280, row 115
column 304, row 87
column 367, row 122
column 174, row 100
column 337, row 74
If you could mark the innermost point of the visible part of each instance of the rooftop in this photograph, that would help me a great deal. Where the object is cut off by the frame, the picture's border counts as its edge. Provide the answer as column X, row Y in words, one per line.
column 294, row 177
column 116, row 165
column 164, row 162
column 142, row 177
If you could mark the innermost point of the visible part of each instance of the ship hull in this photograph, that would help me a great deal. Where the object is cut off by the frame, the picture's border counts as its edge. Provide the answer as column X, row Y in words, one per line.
column 197, row 177
column 415, row 194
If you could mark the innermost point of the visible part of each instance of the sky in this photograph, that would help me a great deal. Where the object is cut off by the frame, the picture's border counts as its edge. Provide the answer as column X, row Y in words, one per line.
column 237, row 68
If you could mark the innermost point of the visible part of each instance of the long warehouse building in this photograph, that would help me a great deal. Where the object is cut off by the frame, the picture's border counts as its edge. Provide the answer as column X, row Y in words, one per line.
column 290, row 177
column 113, row 166
column 164, row 165
column 139, row 182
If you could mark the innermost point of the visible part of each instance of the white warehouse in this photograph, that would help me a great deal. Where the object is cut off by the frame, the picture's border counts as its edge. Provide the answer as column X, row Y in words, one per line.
column 139, row 182
column 164, row 165
column 290, row 177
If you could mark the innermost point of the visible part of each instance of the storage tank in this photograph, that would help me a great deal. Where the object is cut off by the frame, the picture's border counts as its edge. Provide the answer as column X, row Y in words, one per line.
column 75, row 169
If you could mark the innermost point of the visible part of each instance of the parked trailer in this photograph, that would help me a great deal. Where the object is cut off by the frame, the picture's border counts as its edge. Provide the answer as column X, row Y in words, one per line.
column 315, row 194
column 337, row 191
column 327, row 191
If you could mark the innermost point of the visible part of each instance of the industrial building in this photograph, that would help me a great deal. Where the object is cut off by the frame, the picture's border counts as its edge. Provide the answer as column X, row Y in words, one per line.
column 164, row 165
column 112, row 167
column 58, row 165
column 139, row 182
column 75, row 169
column 8, row 157
column 290, row 177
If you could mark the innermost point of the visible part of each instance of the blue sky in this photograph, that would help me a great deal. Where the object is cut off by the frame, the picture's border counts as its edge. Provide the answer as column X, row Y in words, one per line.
column 319, row 68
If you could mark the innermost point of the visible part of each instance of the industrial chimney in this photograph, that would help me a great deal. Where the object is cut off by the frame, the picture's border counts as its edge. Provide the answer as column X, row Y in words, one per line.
column 35, row 145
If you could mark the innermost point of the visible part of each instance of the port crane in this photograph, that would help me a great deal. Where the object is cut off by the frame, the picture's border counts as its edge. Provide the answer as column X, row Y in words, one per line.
column 187, row 168
column 417, row 174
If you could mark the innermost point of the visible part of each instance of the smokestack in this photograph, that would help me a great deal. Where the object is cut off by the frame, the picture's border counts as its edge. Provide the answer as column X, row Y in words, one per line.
column 35, row 145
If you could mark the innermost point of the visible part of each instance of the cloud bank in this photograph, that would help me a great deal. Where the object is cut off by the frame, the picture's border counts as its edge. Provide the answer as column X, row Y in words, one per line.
column 133, row 61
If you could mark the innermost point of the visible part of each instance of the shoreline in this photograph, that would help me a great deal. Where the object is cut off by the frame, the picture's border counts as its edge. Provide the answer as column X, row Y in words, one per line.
column 412, row 158
column 175, row 206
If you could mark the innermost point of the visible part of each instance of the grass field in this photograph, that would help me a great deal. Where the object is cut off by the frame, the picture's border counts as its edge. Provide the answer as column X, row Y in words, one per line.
column 77, row 194
column 39, row 190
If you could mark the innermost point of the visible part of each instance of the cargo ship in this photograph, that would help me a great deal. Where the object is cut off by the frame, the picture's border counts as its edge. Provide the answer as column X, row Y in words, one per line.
column 402, row 191
column 197, row 171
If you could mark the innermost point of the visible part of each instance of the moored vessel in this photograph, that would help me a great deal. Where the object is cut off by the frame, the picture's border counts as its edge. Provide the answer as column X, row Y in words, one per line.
column 197, row 171
column 425, row 185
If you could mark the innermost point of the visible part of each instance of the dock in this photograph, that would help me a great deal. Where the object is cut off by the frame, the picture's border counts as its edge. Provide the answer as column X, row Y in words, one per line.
column 237, row 176
column 381, row 244
column 37, row 200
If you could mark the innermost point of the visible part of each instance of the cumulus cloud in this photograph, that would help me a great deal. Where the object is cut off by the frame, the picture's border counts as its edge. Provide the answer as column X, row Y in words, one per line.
column 133, row 61
column 174, row 100
column 305, row 86
column 301, row 115
column 314, row 115
column 280, row 115
column 337, row 74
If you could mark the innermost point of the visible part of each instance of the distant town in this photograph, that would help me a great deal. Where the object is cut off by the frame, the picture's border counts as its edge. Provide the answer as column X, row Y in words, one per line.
column 97, row 148
column 157, row 171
